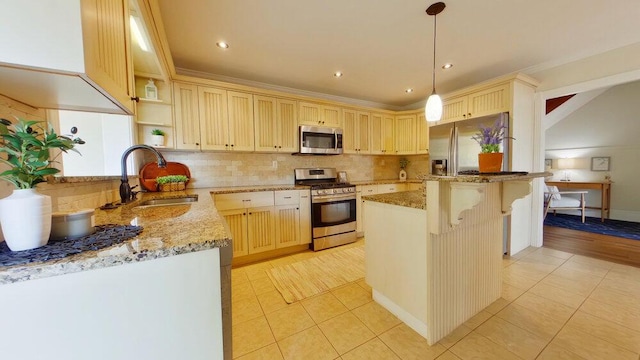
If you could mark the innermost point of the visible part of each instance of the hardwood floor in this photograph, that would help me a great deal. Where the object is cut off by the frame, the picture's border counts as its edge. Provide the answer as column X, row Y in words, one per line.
column 610, row 248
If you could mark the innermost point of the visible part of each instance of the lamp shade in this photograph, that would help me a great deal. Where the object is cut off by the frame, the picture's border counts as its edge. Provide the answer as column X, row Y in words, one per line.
column 433, row 109
column 566, row 163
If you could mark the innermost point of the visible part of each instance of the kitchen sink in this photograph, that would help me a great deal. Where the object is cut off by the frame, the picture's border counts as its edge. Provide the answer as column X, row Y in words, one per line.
column 186, row 200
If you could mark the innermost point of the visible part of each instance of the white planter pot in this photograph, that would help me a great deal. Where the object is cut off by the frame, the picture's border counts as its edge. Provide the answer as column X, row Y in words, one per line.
column 157, row 140
column 403, row 175
column 25, row 217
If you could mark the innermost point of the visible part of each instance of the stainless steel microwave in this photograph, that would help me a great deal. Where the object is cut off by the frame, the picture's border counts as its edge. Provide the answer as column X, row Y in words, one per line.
column 320, row 140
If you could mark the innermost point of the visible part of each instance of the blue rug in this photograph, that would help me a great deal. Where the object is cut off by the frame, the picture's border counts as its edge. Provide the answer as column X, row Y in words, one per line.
column 625, row 229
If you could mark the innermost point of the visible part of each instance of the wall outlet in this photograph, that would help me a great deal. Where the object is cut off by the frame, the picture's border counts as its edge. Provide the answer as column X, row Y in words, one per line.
column 274, row 164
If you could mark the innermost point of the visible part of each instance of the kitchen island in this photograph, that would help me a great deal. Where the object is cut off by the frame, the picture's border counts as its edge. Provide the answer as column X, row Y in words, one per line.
column 163, row 294
column 437, row 263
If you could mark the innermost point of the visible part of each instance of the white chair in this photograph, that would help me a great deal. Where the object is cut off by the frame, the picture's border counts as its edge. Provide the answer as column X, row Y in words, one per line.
column 563, row 200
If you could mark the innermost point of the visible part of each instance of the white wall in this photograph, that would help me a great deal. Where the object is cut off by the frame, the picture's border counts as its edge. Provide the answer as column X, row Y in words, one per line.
column 106, row 137
column 606, row 126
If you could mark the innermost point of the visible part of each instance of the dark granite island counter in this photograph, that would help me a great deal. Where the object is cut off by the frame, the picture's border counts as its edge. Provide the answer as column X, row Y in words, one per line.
column 436, row 267
column 164, row 294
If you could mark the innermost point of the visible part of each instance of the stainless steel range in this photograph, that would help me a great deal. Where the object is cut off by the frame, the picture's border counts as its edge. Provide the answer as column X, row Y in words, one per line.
column 333, row 207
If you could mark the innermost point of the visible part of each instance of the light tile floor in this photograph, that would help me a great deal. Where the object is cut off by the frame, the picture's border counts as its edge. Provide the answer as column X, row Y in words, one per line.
column 554, row 305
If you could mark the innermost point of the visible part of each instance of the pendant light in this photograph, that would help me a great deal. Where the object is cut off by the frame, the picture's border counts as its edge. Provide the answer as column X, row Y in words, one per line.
column 433, row 109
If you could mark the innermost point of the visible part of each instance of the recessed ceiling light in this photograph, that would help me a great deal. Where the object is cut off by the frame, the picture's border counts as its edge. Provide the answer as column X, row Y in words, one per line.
column 409, row 90
column 222, row 45
column 447, row 66
column 337, row 74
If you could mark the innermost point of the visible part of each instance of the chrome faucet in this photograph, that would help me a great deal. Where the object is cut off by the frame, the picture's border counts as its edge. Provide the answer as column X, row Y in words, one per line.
column 126, row 194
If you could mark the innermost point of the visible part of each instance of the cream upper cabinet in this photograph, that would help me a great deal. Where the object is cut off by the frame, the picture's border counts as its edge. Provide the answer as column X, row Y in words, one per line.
column 489, row 101
column 422, row 134
column 275, row 122
column 405, row 134
column 216, row 119
column 186, row 115
column 213, row 118
column 318, row 114
column 382, row 130
column 355, row 136
column 72, row 55
column 240, row 121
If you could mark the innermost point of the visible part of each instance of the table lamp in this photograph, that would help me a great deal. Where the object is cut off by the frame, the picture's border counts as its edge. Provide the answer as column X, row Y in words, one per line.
column 566, row 164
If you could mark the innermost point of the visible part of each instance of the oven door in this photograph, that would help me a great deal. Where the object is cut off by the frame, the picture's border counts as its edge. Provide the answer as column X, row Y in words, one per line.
column 333, row 215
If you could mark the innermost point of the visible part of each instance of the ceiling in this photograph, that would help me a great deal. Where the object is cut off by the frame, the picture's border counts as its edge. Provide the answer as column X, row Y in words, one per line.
column 385, row 47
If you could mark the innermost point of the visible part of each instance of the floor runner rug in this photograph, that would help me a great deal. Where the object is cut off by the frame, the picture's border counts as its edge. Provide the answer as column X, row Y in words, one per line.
column 313, row 276
column 625, row 229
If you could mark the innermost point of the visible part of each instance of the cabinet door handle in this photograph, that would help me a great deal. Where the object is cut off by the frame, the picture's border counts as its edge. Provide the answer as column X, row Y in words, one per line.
column 226, row 145
column 231, row 145
column 243, row 214
column 197, row 144
column 274, row 146
column 136, row 98
column 279, row 147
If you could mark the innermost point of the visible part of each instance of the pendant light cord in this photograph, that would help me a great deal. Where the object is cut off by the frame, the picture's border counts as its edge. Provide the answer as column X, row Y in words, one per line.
column 435, row 19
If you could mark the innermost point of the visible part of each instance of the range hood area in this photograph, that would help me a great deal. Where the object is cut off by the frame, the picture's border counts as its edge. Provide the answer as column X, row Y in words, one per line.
column 68, row 54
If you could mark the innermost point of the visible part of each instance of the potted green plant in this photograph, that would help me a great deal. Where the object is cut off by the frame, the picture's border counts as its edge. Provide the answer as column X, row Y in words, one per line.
column 172, row 182
column 403, row 165
column 157, row 137
column 25, row 215
column 490, row 138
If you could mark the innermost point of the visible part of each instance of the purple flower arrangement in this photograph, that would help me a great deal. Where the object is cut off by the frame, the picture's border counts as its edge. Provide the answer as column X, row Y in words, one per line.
column 491, row 137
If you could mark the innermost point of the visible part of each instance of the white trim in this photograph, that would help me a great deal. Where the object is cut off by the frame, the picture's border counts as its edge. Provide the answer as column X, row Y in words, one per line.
column 410, row 320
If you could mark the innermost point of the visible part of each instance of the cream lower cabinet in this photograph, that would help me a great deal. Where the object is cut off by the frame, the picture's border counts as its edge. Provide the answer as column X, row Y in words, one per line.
column 261, row 229
column 305, row 216
column 266, row 220
column 213, row 119
column 251, row 220
column 276, row 124
column 492, row 100
column 287, row 218
column 364, row 190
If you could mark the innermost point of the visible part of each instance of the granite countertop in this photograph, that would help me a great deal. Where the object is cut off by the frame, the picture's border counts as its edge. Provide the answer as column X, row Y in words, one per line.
column 414, row 199
column 391, row 181
column 167, row 231
column 485, row 178
column 255, row 188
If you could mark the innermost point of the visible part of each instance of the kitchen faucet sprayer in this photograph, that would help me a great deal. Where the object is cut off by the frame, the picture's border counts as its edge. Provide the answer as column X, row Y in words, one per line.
column 126, row 194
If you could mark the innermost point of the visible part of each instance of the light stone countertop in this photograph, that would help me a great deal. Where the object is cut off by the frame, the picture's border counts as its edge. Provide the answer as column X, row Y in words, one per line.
column 167, row 231
column 391, row 181
column 241, row 189
column 485, row 178
column 414, row 199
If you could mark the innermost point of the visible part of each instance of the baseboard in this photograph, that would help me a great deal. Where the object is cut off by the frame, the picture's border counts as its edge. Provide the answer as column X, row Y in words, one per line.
column 410, row 320
column 625, row 215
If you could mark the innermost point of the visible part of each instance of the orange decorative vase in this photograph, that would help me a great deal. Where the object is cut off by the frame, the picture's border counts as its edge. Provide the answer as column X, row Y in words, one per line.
column 490, row 162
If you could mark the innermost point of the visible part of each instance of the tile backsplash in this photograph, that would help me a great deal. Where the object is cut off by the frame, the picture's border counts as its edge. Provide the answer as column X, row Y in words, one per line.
column 241, row 169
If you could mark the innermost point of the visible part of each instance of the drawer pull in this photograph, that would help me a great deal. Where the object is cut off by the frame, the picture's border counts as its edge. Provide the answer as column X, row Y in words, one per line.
column 287, row 197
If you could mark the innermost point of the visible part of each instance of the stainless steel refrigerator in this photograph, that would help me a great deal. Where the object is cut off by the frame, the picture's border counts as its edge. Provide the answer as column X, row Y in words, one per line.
column 452, row 149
